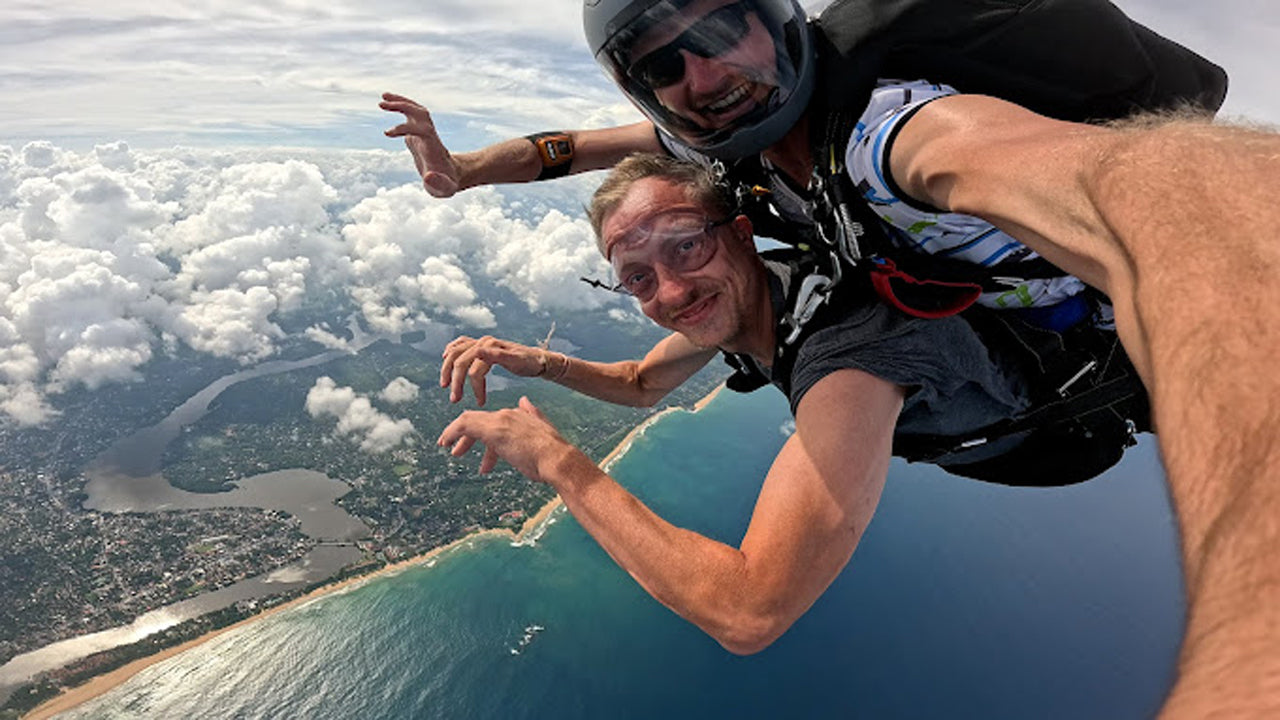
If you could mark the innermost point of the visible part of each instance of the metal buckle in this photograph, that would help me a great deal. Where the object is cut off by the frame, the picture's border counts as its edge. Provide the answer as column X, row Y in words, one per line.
column 814, row 291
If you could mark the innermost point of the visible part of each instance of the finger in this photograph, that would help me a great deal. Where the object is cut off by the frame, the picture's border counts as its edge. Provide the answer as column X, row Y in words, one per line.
column 406, row 106
column 452, row 432
column 489, row 461
column 446, row 366
column 460, row 340
column 392, row 97
column 479, row 368
column 450, row 355
column 461, row 367
column 461, row 447
column 527, row 405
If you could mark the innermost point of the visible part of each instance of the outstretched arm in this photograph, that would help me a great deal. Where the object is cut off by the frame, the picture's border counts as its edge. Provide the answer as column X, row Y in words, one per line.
column 511, row 161
column 1176, row 221
column 638, row 383
column 815, row 504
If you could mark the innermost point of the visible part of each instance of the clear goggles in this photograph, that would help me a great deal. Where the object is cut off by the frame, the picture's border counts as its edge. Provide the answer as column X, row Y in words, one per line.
column 681, row 242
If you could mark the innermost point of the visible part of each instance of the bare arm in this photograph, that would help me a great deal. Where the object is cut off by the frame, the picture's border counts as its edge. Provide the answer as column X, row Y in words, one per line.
column 638, row 383
column 511, row 161
column 1177, row 223
column 815, row 504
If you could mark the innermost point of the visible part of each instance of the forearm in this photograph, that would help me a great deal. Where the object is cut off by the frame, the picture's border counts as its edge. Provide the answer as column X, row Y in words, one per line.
column 701, row 580
column 1176, row 223
column 1194, row 209
column 517, row 160
column 637, row 383
column 510, row 161
column 813, row 507
column 619, row 383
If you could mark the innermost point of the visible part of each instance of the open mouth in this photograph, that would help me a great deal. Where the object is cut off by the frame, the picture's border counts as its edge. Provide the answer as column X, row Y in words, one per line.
column 725, row 104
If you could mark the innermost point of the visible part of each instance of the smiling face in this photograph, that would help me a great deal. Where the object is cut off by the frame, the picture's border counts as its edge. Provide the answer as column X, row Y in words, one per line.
column 721, row 300
column 712, row 64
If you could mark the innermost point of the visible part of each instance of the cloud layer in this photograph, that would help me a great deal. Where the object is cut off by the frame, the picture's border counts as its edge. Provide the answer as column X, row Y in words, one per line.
column 111, row 257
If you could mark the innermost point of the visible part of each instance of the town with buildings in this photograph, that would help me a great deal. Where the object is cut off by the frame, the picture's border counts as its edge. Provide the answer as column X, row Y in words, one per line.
column 66, row 571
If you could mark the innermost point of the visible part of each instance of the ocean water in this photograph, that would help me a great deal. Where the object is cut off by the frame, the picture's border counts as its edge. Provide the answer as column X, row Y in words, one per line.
column 964, row 600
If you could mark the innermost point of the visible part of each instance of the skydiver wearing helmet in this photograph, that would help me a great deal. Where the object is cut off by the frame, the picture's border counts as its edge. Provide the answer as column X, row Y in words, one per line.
column 1170, row 218
column 722, row 80
column 728, row 78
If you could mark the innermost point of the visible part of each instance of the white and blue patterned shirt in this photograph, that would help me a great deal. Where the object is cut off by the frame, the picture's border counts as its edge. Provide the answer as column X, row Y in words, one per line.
column 909, row 224
column 919, row 228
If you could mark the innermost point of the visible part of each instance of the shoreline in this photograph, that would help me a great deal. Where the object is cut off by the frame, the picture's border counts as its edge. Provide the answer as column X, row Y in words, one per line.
column 71, row 698
column 97, row 686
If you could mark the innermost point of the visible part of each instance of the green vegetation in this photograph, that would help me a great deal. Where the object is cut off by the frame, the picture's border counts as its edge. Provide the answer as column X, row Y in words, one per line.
column 66, row 571
column 414, row 497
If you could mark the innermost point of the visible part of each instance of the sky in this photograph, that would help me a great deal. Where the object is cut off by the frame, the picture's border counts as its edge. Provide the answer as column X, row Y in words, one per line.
column 183, row 173
column 284, row 72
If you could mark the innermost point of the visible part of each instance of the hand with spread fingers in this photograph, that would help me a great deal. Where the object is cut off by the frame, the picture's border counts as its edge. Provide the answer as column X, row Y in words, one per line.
column 522, row 436
column 466, row 357
column 441, row 175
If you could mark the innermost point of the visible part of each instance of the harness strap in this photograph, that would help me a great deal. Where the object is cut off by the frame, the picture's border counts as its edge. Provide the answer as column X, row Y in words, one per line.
column 1103, row 396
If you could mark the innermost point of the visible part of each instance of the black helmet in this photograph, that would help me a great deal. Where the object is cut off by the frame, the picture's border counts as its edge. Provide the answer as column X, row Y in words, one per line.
column 644, row 45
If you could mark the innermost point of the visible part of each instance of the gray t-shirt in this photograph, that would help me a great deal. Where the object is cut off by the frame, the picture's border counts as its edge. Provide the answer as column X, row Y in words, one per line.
column 955, row 384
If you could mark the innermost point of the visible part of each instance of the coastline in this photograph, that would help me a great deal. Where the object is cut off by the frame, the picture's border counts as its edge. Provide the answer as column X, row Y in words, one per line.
column 80, row 694
column 71, row 698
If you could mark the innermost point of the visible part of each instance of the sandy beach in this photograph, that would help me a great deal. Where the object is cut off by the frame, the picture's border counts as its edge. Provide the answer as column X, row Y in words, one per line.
column 101, row 684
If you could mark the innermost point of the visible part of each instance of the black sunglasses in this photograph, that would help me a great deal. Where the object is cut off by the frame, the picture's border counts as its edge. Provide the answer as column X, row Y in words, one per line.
column 712, row 36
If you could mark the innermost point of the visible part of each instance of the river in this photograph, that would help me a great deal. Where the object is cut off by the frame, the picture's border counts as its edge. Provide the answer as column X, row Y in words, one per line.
column 126, row 478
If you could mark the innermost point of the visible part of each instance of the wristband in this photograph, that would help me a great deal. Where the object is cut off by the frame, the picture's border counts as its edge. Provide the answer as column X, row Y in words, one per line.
column 564, row 369
column 555, row 150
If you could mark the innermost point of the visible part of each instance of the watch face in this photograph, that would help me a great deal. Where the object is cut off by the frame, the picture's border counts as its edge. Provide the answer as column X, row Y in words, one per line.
column 555, row 149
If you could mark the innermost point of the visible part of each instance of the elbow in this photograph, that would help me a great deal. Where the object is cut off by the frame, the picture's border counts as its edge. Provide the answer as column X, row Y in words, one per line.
column 750, row 635
column 644, row 394
column 647, row 398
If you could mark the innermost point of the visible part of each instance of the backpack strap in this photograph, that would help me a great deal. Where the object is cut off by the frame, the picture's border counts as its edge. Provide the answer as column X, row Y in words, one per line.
column 811, row 283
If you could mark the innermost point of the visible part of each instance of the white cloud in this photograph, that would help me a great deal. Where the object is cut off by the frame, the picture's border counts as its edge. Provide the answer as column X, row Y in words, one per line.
column 375, row 431
column 414, row 257
column 543, row 264
column 326, row 398
column 286, row 70
column 250, row 197
column 634, row 317
column 24, row 404
column 398, row 391
column 321, row 335
column 230, row 323
column 111, row 256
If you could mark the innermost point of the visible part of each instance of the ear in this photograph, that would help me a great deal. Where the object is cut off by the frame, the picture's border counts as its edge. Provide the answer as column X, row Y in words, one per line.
column 743, row 230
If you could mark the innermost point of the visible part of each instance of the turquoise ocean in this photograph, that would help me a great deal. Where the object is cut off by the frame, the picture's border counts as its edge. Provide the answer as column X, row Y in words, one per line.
column 964, row 600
